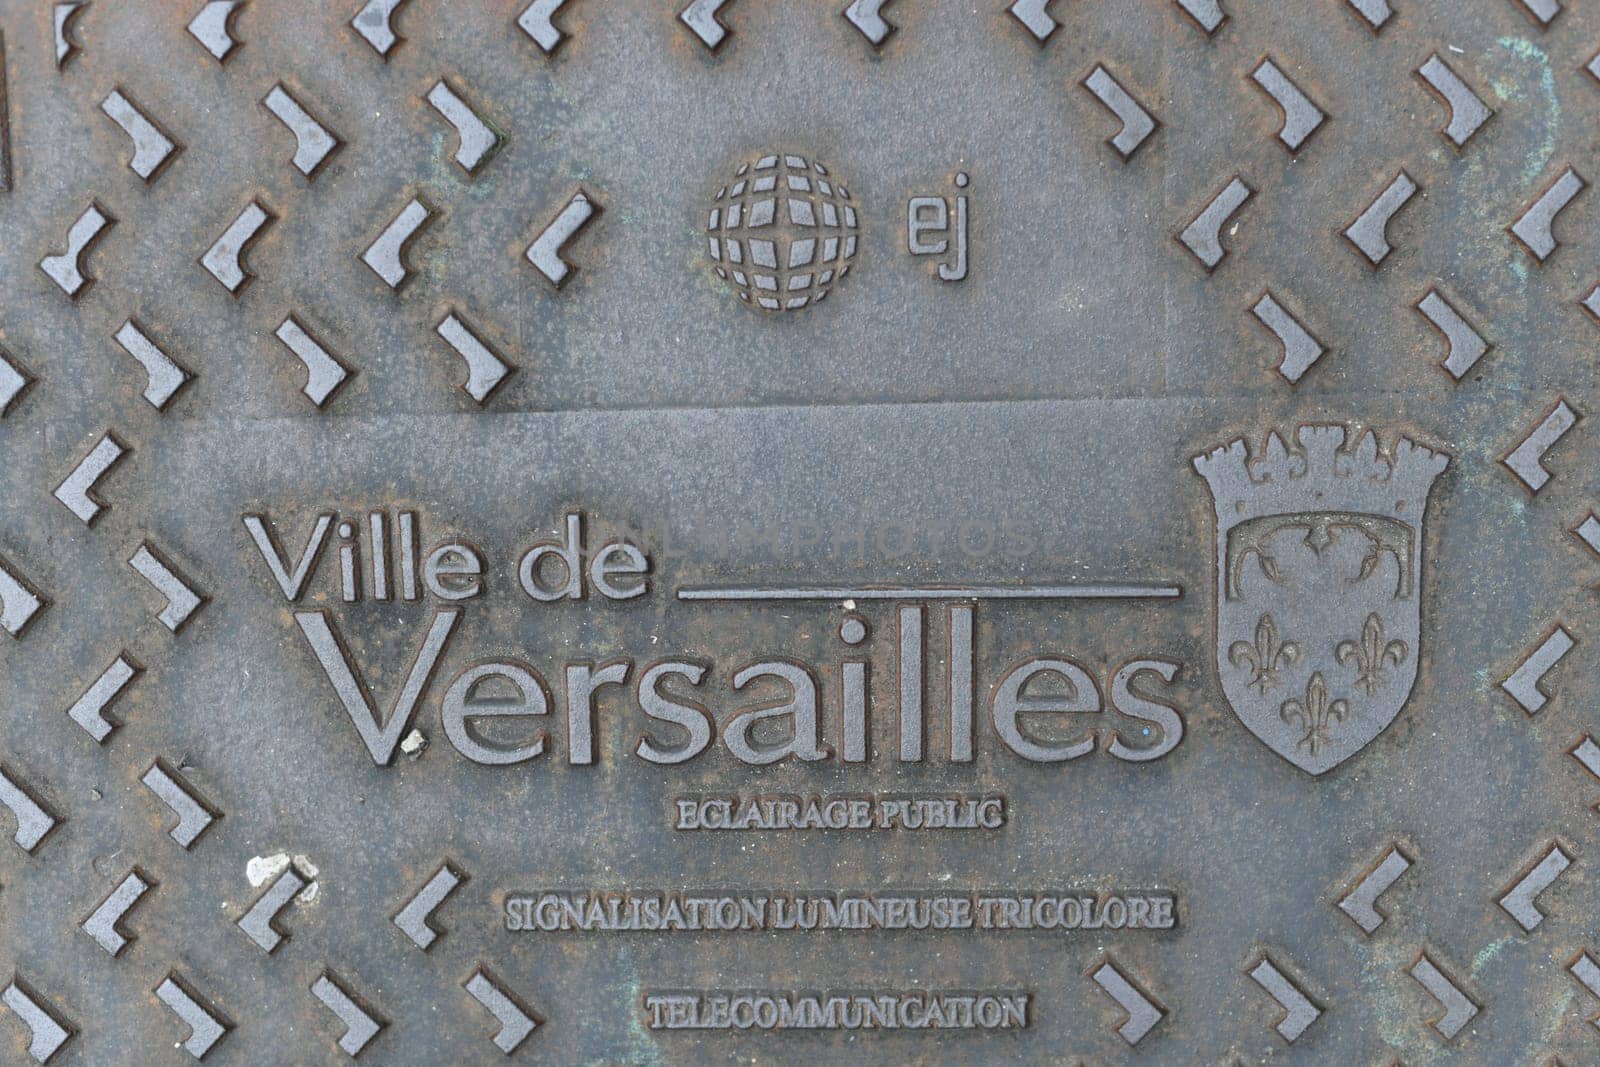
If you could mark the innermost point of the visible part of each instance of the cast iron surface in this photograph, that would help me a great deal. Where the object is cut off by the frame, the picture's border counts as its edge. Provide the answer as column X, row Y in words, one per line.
column 254, row 261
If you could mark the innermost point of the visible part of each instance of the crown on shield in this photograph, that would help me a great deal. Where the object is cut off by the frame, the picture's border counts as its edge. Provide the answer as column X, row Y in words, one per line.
column 1321, row 475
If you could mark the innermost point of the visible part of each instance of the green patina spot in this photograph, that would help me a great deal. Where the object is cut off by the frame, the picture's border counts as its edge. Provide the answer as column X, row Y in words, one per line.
column 640, row 1041
column 1528, row 52
column 1536, row 159
column 1554, row 1019
column 1487, row 954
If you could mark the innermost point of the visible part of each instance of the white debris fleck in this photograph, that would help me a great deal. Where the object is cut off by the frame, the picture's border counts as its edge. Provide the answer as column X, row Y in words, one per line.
column 261, row 869
column 849, row 605
column 414, row 742
column 308, row 871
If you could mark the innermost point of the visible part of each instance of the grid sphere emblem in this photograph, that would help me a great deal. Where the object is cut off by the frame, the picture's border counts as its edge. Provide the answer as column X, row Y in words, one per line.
column 782, row 232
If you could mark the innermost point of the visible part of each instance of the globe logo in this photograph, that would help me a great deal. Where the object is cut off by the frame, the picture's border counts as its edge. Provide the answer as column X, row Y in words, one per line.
column 782, row 233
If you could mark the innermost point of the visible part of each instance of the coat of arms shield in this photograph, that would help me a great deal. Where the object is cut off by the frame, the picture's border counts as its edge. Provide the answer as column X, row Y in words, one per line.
column 1319, row 557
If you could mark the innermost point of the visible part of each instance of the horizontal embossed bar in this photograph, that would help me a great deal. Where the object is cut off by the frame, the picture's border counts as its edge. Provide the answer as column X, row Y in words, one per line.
column 1074, row 591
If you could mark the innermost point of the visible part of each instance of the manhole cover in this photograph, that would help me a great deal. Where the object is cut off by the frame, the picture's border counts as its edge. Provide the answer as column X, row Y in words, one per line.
column 469, row 594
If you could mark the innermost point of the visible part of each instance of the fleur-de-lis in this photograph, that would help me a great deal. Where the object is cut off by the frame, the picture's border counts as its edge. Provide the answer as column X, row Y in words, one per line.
column 1266, row 656
column 1370, row 653
column 1315, row 715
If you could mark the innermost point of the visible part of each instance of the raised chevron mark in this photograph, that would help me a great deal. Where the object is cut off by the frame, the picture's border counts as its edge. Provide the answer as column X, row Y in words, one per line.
column 14, row 381
column 1526, row 461
column 1459, row 1009
column 182, row 599
column 260, row 922
column 386, row 254
column 104, row 924
column 516, row 1021
column 1203, row 236
column 1143, row 1012
column 194, row 814
column 19, row 600
column 1361, row 902
column 152, row 148
column 538, row 22
column 213, row 28
column 1300, row 348
column 324, row 373
column 1520, row 901
column 1464, row 345
column 34, row 820
column 1299, row 1011
column 89, row 710
column 1587, row 973
column 1591, row 303
column 1587, row 753
column 48, row 1031
column 1301, row 117
column 225, row 258
column 1137, row 123
column 867, row 16
column 206, row 1024
column 1534, row 227
column 361, row 1023
column 1369, row 233
column 314, row 143
column 1542, row 12
column 1468, row 112
column 163, row 377
column 375, row 23
column 1526, row 683
column 1207, row 14
column 1034, row 15
column 701, row 19
column 1375, row 13
column 66, row 15
column 76, row 490
column 545, row 251
column 1588, row 531
column 68, row 270
column 485, row 370
column 475, row 140
column 414, row 918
